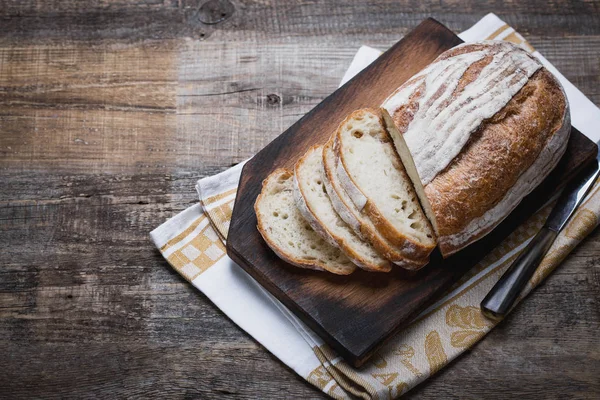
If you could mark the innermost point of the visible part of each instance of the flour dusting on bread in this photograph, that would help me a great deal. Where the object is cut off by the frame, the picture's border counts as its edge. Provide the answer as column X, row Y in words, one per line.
column 448, row 110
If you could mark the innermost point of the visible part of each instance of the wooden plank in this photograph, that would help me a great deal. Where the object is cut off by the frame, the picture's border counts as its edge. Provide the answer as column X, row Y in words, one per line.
column 149, row 19
column 213, row 118
column 88, row 108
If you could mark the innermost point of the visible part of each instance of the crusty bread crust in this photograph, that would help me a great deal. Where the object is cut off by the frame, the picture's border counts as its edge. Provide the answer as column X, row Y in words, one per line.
column 356, row 195
column 305, row 210
column 281, row 253
column 504, row 159
column 410, row 247
column 309, row 216
column 359, row 223
column 340, row 206
column 548, row 157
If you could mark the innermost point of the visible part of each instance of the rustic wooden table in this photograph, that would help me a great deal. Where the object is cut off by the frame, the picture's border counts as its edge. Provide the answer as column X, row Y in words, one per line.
column 98, row 145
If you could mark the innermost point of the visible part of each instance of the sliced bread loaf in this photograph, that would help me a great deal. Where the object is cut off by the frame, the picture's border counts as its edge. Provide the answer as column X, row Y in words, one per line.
column 360, row 223
column 478, row 130
column 371, row 172
column 289, row 234
column 315, row 206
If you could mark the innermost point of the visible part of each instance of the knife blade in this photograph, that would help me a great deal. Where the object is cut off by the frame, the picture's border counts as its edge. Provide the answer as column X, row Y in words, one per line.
column 502, row 296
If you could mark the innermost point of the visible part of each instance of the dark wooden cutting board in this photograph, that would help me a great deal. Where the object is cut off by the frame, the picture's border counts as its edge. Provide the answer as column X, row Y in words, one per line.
column 355, row 314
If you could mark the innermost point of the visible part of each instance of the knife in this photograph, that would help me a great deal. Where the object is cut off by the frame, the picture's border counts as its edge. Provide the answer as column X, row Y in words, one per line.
column 500, row 299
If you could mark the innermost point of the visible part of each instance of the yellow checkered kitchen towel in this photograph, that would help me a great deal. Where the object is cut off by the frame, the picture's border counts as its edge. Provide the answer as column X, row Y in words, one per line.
column 192, row 242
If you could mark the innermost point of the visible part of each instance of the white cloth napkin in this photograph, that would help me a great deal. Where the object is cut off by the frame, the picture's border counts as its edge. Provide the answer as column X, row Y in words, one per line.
column 192, row 242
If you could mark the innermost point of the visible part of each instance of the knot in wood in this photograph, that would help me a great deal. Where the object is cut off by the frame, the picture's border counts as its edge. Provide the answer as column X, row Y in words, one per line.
column 215, row 11
column 273, row 99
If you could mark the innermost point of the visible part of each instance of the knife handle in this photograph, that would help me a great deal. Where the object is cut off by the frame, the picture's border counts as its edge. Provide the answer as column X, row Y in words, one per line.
column 500, row 299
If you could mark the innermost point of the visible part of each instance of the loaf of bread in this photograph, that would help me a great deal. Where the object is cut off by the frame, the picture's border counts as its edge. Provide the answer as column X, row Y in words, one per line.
column 478, row 130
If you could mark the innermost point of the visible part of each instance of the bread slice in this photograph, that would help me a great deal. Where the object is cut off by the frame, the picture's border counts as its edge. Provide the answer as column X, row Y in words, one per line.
column 409, row 165
column 315, row 206
column 287, row 232
column 360, row 223
column 371, row 172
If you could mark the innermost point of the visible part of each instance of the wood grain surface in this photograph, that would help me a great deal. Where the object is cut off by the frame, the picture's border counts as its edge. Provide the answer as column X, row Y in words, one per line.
column 109, row 112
